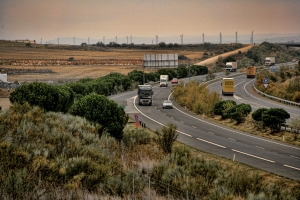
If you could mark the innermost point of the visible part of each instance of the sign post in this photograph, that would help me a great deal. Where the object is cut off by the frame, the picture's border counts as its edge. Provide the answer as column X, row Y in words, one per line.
column 136, row 120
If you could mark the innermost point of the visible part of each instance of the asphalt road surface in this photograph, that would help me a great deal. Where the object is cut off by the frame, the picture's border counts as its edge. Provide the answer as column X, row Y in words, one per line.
column 273, row 156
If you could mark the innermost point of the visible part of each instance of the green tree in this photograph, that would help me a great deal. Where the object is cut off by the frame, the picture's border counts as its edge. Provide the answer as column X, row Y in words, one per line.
column 48, row 97
column 229, row 59
column 136, row 76
column 99, row 109
column 182, row 71
column 239, row 112
column 162, row 45
column 167, row 137
column 257, row 115
column 274, row 117
column 222, row 107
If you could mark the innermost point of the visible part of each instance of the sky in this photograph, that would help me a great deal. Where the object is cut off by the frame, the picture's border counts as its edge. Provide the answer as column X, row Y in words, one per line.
column 52, row 19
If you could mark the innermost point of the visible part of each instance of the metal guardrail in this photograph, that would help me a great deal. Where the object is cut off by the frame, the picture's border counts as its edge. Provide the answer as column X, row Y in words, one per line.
column 275, row 98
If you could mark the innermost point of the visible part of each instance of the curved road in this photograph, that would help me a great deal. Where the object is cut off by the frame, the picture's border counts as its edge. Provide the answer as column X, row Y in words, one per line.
column 269, row 155
column 244, row 93
column 277, row 157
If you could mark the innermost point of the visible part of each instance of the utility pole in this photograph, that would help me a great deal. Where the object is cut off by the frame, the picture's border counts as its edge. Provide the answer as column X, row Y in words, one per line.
column 236, row 37
column 88, row 40
column 131, row 39
column 116, row 40
column 58, row 40
column 203, row 38
column 252, row 37
column 156, row 39
column 104, row 40
column 41, row 40
column 220, row 37
column 127, row 39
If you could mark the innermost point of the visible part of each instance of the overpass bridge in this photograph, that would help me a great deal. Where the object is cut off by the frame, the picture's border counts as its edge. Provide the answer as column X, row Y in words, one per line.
column 285, row 46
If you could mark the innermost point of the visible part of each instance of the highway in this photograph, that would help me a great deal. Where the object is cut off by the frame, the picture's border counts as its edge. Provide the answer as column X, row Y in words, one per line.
column 273, row 156
column 244, row 93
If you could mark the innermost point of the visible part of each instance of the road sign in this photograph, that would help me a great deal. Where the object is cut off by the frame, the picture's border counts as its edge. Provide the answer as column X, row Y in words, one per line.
column 266, row 82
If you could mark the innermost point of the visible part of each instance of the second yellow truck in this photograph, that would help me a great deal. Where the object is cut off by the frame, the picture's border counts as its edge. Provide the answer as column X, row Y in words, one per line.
column 250, row 72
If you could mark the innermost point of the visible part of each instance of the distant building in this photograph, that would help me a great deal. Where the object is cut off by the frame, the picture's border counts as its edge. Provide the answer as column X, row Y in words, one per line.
column 3, row 78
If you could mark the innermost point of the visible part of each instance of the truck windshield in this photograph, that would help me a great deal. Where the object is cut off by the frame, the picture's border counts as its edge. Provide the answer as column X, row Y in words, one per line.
column 145, row 92
column 163, row 80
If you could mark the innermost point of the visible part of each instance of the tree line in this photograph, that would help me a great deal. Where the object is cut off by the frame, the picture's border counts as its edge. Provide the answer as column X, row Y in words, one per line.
column 88, row 97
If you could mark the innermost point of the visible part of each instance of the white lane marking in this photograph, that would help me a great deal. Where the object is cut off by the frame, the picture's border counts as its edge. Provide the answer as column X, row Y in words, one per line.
column 239, row 83
column 182, row 122
column 251, row 136
column 194, row 126
column 211, row 143
column 231, row 139
column 294, row 157
column 210, row 132
column 155, row 120
column 259, row 147
column 172, row 117
column 292, row 167
column 253, row 156
column 249, row 102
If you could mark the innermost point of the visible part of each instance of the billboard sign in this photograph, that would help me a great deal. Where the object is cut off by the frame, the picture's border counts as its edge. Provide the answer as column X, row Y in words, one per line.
column 161, row 60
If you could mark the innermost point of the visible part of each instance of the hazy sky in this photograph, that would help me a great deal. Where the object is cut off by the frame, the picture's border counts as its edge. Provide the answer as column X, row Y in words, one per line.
column 50, row 19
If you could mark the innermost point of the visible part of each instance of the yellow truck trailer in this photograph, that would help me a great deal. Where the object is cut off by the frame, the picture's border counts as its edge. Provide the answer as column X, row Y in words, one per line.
column 250, row 72
column 227, row 86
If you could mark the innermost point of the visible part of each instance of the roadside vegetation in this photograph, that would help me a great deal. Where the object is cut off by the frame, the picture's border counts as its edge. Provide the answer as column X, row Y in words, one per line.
column 50, row 155
column 284, row 84
column 197, row 98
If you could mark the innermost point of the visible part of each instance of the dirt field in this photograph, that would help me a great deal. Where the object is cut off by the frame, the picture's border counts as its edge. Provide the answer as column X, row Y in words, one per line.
column 65, row 73
column 19, row 52
column 13, row 50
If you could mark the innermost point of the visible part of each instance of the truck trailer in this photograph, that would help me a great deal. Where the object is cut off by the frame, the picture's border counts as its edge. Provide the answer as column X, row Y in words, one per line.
column 251, row 72
column 163, row 81
column 145, row 95
column 270, row 61
column 231, row 66
column 227, row 86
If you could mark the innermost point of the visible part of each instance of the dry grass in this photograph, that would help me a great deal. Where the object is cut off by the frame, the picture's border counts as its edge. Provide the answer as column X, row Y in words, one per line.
column 12, row 50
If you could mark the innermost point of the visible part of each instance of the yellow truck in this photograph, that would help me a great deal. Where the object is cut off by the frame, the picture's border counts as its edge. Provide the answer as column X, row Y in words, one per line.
column 250, row 72
column 227, row 86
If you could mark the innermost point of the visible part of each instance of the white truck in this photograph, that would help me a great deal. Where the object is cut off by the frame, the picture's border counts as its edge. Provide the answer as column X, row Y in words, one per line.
column 269, row 61
column 163, row 81
column 231, row 66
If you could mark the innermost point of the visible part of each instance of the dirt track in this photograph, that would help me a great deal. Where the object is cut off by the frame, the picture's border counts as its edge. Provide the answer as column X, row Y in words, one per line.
column 215, row 58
